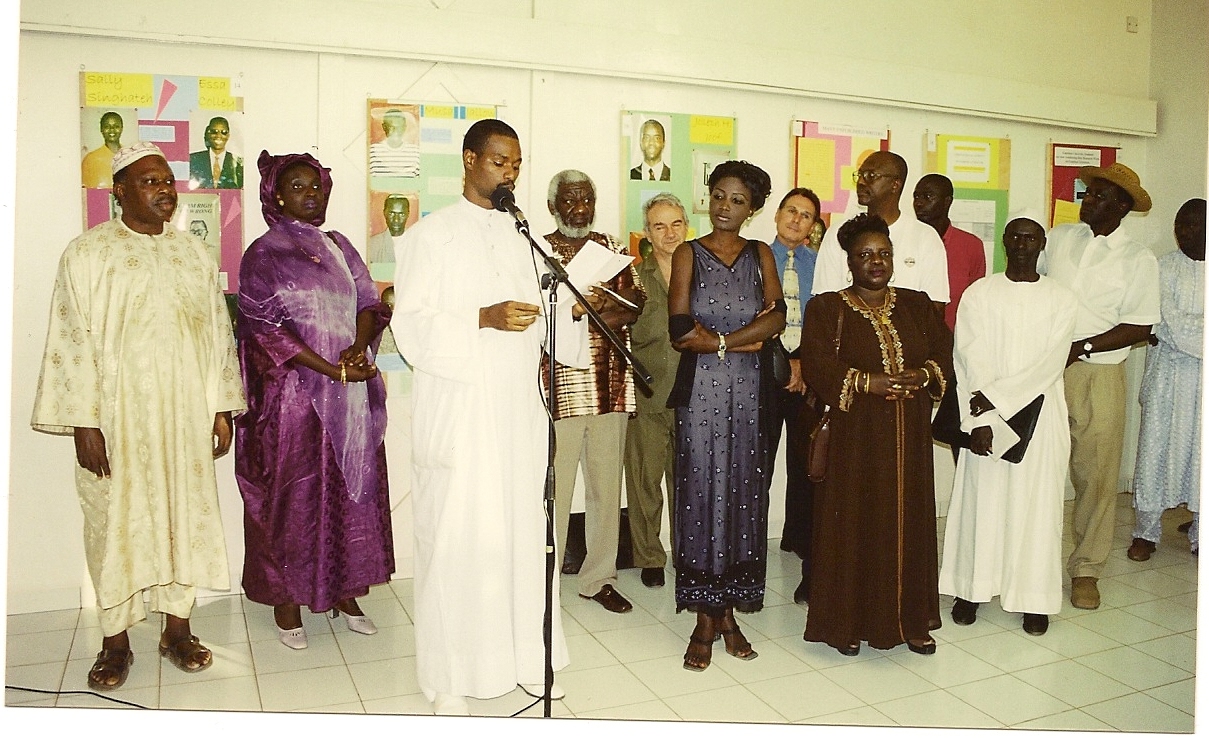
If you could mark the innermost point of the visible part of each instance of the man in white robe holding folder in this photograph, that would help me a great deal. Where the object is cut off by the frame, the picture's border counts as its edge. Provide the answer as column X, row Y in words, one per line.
column 1004, row 531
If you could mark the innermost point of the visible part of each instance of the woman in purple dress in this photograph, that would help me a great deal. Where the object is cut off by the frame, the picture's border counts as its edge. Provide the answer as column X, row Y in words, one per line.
column 724, row 301
column 309, row 453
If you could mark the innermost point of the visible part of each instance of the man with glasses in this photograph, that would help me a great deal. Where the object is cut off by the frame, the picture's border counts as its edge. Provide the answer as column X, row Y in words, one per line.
column 215, row 167
column 919, row 254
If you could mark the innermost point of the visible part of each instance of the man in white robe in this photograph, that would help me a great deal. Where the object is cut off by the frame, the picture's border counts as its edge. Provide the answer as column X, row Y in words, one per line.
column 1168, row 472
column 468, row 319
column 140, row 368
column 1004, row 532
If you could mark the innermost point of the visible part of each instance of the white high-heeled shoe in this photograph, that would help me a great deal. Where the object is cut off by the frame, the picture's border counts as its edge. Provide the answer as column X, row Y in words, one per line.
column 294, row 638
column 357, row 623
column 450, row 704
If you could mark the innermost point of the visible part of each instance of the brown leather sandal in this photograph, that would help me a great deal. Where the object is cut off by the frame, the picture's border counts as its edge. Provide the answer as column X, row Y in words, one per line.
column 736, row 644
column 111, row 662
column 188, row 655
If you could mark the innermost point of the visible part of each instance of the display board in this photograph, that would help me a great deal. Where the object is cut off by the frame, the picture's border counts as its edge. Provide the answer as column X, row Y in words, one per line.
column 198, row 123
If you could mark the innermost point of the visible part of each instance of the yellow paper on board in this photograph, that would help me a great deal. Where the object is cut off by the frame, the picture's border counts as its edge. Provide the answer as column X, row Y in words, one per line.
column 479, row 113
column 105, row 89
column 438, row 111
column 214, row 93
column 970, row 161
column 816, row 166
column 1065, row 212
column 709, row 129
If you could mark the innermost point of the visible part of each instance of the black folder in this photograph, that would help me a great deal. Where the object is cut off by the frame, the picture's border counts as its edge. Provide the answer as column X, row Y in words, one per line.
column 946, row 426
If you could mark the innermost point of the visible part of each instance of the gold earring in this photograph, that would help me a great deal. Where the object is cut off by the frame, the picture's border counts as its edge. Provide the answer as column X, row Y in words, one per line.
column 280, row 202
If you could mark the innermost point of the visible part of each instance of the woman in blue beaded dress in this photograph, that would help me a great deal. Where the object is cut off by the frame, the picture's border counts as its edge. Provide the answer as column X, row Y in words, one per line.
column 720, row 313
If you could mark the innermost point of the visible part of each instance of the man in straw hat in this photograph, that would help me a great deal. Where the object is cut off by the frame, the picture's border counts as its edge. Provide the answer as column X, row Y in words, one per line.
column 140, row 369
column 1117, row 282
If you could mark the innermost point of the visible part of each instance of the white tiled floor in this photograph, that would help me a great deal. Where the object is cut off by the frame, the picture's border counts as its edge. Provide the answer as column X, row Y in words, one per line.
column 1128, row 666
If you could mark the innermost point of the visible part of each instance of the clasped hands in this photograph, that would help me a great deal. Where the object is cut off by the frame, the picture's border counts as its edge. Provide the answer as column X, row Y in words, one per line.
column 982, row 436
column 356, row 365
column 898, row 386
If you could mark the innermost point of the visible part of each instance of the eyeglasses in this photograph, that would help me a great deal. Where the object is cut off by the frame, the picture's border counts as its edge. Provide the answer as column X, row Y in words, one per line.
column 868, row 177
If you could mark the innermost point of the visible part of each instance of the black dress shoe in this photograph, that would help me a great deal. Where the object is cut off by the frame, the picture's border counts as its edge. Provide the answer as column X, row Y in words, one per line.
column 1034, row 624
column 964, row 611
column 610, row 599
column 801, row 595
column 852, row 650
column 652, row 576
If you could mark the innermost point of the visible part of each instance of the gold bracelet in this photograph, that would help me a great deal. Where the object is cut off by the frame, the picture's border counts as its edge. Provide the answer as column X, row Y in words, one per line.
column 927, row 377
column 867, row 375
column 343, row 374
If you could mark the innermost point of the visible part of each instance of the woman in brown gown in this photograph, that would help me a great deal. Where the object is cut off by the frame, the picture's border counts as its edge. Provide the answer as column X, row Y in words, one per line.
column 874, row 548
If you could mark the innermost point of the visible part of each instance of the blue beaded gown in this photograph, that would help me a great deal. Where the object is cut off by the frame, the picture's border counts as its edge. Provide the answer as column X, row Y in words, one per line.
column 721, row 531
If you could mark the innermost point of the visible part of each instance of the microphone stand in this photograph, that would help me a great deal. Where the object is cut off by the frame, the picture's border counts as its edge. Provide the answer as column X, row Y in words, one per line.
column 557, row 275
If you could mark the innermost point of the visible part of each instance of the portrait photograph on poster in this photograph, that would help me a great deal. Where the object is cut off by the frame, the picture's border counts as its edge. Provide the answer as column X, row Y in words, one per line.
column 101, row 132
column 670, row 152
column 216, row 159
column 394, row 140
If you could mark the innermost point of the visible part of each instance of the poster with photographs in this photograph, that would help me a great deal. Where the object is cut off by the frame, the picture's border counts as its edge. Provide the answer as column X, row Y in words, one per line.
column 1062, row 175
column 670, row 152
column 197, row 123
column 414, row 166
column 980, row 170
column 824, row 157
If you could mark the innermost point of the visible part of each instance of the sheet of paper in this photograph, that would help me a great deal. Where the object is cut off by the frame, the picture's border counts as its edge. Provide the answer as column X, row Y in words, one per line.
column 594, row 263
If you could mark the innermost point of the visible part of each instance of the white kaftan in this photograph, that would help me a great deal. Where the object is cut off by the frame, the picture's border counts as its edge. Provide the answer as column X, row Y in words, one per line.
column 1168, row 471
column 1004, row 530
column 479, row 440
column 140, row 346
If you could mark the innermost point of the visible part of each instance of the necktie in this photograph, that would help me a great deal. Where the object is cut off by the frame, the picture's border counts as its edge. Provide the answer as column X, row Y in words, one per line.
column 792, row 336
column 217, row 170
column 650, row 173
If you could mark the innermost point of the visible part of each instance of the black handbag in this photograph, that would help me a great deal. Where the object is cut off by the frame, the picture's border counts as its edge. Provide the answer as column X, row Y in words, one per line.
column 774, row 359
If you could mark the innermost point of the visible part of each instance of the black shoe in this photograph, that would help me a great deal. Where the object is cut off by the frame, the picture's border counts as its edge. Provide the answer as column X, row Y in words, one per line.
column 1034, row 624
column 925, row 647
column 801, row 595
column 749, row 607
column 652, row 576
column 852, row 650
column 964, row 611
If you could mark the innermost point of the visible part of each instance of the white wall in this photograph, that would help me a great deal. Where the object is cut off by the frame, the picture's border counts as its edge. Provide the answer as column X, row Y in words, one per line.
column 562, row 72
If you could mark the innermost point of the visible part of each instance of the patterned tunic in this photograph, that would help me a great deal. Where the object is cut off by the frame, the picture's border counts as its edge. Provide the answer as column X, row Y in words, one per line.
column 140, row 346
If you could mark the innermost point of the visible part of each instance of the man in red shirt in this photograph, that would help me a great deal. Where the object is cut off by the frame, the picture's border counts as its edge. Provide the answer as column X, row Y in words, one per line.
column 964, row 251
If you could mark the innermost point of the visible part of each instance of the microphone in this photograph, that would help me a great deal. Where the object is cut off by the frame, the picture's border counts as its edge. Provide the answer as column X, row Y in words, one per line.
column 504, row 201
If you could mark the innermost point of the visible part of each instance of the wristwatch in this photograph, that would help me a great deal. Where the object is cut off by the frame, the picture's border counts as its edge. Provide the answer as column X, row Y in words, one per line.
column 721, row 346
column 1087, row 347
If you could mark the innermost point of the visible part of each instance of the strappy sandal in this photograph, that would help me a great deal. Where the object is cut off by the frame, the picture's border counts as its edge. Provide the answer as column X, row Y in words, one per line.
column 741, row 650
column 188, row 654
column 706, row 646
column 110, row 662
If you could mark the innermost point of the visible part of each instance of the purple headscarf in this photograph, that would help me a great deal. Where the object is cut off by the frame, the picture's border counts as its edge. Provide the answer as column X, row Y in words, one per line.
column 271, row 168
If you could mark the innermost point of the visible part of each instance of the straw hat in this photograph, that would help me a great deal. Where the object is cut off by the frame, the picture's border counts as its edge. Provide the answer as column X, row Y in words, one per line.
column 1123, row 177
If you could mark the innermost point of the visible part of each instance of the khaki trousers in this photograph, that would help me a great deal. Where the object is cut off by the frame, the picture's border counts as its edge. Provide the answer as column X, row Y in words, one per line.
column 172, row 598
column 1095, row 397
column 599, row 442
column 650, row 458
